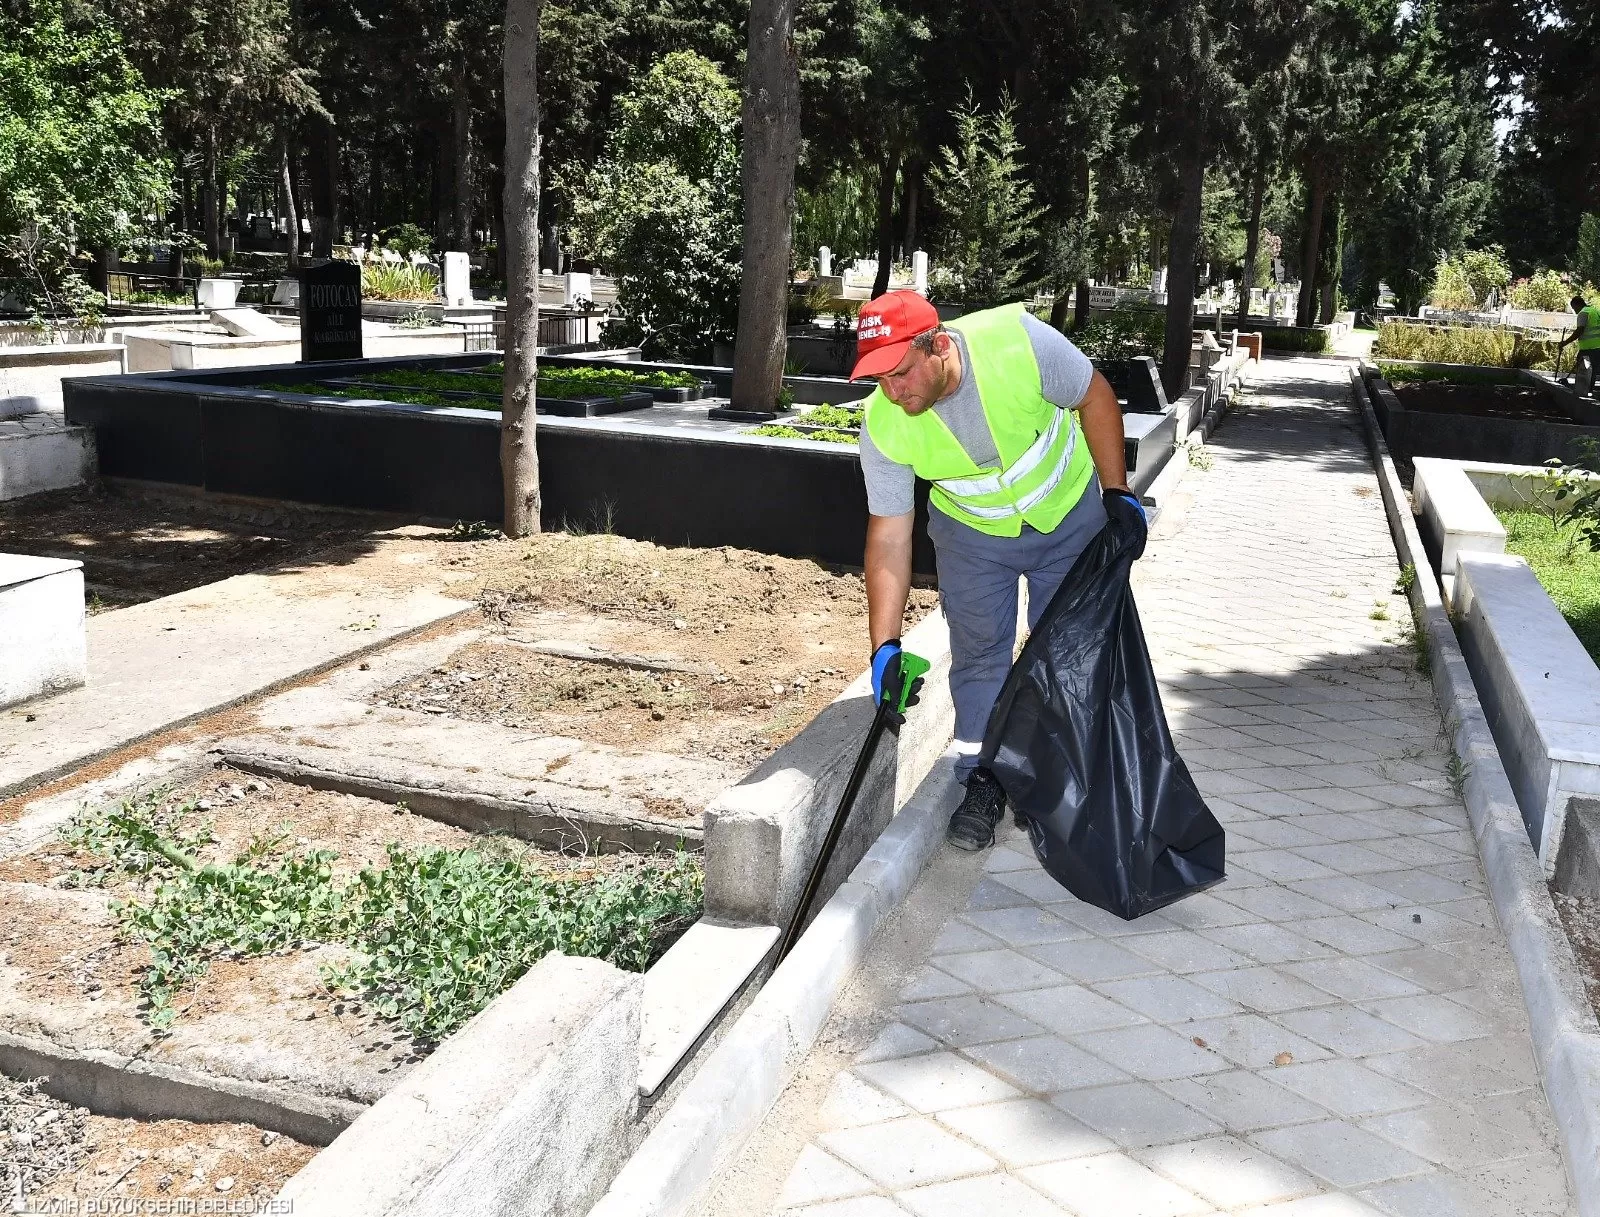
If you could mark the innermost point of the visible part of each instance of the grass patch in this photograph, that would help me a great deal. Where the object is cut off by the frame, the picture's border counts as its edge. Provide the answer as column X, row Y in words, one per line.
column 618, row 376
column 1404, row 373
column 1566, row 568
column 834, row 416
column 409, row 397
column 439, row 932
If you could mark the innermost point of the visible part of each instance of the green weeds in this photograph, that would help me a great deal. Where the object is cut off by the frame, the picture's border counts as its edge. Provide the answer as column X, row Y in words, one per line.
column 438, row 933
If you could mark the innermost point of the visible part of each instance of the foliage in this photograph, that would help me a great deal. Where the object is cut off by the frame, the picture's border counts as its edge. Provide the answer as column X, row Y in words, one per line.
column 660, row 209
column 1569, row 574
column 1311, row 341
column 827, row 415
column 823, row 434
column 407, row 239
column 979, row 185
column 438, row 933
column 397, row 281
column 841, row 212
column 1122, row 334
column 1400, row 373
column 1545, row 291
column 1481, row 345
column 80, row 156
column 1451, row 289
column 1586, row 260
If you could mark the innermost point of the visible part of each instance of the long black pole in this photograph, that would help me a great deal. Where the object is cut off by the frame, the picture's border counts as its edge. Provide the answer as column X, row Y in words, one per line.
column 835, row 830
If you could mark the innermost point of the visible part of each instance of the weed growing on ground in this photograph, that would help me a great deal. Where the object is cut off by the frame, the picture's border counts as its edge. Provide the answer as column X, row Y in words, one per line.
column 473, row 530
column 1415, row 637
column 1406, row 579
column 439, row 932
column 1198, row 455
column 1380, row 611
column 1455, row 771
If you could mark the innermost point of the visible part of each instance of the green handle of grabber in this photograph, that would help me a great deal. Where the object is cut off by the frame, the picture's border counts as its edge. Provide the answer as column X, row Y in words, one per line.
column 912, row 669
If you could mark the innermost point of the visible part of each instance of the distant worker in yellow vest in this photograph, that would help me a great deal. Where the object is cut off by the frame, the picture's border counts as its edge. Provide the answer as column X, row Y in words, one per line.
column 1022, row 441
column 1587, row 336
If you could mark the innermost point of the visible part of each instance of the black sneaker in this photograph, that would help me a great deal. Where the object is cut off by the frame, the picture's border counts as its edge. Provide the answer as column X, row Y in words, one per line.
column 972, row 825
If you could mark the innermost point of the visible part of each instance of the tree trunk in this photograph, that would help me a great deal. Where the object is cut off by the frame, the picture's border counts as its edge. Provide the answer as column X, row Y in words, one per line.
column 291, row 212
column 466, row 186
column 374, row 196
column 913, row 200
column 1059, row 311
column 210, row 207
column 1330, row 264
column 771, row 122
column 519, row 453
column 1252, row 241
column 1317, row 198
column 1080, row 306
column 324, row 152
column 1180, row 274
column 891, row 163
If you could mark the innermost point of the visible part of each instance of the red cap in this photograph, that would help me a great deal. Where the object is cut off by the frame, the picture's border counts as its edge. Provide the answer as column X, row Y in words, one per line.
column 885, row 330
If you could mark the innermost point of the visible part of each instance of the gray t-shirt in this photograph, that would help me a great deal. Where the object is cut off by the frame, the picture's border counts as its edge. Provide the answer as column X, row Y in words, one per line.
column 1064, row 375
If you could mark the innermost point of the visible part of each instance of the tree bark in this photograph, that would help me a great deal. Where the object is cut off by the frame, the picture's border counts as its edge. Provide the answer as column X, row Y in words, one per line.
column 1059, row 311
column 1252, row 240
column 1330, row 264
column 210, row 207
column 291, row 212
column 1317, row 198
column 1080, row 306
column 891, row 163
column 324, row 156
column 465, row 183
column 771, row 122
column 1180, row 274
column 913, row 201
column 519, row 453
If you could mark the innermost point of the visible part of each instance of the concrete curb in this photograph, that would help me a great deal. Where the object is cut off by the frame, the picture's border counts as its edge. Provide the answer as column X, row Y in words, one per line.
column 1566, row 1035
column 109, row 1084
column 731, row 1093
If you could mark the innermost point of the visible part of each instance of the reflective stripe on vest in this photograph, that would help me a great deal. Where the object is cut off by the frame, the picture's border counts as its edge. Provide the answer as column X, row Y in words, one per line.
column 963, row 488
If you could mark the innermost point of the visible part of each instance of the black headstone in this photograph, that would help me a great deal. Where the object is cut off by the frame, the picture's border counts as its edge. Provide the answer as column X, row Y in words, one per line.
column 330, row 312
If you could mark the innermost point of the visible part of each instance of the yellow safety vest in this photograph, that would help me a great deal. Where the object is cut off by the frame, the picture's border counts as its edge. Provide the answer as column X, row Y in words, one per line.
column 1044, row 464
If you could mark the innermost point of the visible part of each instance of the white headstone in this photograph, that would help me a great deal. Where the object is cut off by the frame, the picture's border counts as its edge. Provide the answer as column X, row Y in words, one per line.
column 1158, row 279
column 825, row 262
column 457, row 280
column 578, row 287
column 218, row 293
column 919, row 272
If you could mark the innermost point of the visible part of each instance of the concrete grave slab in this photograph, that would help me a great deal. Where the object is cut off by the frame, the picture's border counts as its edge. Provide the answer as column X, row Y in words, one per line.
column 42, row 625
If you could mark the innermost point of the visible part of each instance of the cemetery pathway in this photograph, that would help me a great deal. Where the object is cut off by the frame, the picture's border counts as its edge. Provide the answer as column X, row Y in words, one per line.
column 1335, row 1031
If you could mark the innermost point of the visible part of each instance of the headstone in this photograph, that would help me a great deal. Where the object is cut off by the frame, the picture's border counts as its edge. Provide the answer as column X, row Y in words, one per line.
column 247, row 323
column 578, row 287
column 218, row 293
column 1103, row 297
column 824, row 263
column 919, row 272
column 457, row 280
column 1158, row 279
column 330, row 312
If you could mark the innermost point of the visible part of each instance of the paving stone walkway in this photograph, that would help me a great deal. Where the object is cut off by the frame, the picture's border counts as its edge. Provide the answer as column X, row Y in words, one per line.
column 1337, row 1030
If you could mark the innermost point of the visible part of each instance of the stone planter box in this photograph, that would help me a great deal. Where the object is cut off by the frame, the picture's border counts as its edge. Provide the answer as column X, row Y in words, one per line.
column 42, row 627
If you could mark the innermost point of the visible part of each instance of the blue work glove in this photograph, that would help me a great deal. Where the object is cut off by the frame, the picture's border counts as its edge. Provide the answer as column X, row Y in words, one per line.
column 1124, row 508
column 884, row 659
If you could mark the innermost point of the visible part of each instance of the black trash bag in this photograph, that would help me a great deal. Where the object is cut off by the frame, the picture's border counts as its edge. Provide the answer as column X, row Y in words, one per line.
column 1080, row 743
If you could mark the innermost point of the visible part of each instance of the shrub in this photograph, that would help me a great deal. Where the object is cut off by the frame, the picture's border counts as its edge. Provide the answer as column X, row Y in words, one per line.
column 661, row 209
column 1465, row 282
column 1122, row 334
column 406, row 239
column 1310, row 341
column 1484, row 346
column 397, row 281
column 1544, row 291
column 1451, row 289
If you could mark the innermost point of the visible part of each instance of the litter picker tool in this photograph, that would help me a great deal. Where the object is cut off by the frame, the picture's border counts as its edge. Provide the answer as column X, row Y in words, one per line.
column 912, row 670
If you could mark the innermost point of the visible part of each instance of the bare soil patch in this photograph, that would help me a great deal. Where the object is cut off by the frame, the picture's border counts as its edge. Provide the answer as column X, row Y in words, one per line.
column 743, row 648
column 64, row 1152
column 136, row 547
column 1482, row 401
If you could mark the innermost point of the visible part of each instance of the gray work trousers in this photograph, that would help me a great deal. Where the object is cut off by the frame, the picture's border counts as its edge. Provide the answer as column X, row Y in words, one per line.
column 978, row 576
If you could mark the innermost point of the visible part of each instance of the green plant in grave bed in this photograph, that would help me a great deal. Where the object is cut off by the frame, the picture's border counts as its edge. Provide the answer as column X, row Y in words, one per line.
column 621, row 376
column 438, row 933
column 409, row 397
column 1402, row 373
column 783, row 431
column 834, row 416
